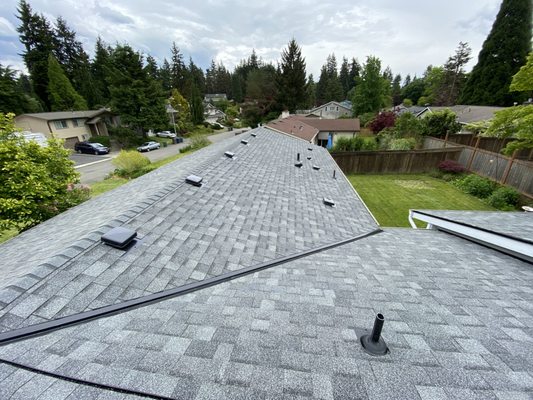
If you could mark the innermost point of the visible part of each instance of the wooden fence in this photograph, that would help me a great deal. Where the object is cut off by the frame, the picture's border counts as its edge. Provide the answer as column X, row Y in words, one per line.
column 487, row 143
column 379, row 162
column 505, row 170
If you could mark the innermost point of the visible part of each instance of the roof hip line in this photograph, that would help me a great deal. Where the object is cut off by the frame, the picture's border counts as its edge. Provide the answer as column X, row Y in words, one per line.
column 113, row 309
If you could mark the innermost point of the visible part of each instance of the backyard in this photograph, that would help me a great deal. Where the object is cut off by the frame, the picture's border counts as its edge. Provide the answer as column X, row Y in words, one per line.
column 389, row 197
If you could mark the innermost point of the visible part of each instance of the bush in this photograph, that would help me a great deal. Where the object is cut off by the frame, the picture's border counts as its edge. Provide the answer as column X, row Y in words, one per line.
column 381, row 121
column 198, row 141
column 348, row 144
column 402, row 144
column 130, row 162
column 369, row 144
column 365, row 118
column 104, row 140
column 34, row 179
column 476, row 186
column 125, row 137
column 450, row 166
column 440, row 122
column 504, row 198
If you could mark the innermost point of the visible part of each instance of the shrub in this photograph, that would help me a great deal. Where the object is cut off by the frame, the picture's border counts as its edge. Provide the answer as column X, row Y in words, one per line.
column 130, row 162
column 440, row 122
column 348, row 144
column 369, row 144
column 104, row 140
column 450, row 166
column 476, row 186
column 34, row 179
column 198, row 141
column 504, row 198
column 125, row 137
column 75, row 195
column 365, row 118
column 402, row 144
column 381, row 121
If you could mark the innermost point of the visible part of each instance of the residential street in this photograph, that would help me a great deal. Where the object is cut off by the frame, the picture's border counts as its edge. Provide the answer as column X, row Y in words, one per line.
column 96, row 168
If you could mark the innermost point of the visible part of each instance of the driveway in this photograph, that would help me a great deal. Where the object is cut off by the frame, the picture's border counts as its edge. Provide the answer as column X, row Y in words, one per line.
column 96, row 168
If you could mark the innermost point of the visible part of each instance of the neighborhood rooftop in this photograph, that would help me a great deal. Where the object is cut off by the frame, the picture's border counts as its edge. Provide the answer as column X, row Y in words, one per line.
column 458, row 315
column 57, row 115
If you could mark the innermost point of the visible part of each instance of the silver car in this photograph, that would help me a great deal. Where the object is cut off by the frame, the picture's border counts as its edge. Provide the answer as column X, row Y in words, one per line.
column 167, row 134
column 148, row 146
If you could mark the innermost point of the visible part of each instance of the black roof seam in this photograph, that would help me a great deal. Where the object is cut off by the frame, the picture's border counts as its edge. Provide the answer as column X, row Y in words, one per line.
column 86, row 316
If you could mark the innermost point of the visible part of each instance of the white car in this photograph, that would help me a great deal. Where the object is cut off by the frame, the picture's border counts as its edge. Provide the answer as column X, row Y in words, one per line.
column 166, row 134
column 148, row 146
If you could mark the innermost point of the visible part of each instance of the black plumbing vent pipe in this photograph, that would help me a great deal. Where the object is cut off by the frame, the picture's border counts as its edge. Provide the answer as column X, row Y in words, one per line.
column 298, row 156
column 374, row 343
column 310, row 148
column 334, row 177
column 298, row 164
column 308, row 158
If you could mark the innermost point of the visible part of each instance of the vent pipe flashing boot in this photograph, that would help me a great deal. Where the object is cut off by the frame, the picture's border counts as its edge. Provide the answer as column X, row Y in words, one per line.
column 374, row 343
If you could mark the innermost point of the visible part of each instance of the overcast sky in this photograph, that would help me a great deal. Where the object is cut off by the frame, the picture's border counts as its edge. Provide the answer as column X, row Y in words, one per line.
column 406, row 35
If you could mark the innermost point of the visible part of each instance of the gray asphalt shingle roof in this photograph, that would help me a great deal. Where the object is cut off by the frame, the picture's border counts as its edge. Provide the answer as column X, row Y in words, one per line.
column 514, row 224
column 458, row 316
column 458, row 325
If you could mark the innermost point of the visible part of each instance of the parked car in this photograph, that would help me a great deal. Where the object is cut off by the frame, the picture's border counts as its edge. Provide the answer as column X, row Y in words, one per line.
column 91, row 148
column 166, row 134
column 148, row 146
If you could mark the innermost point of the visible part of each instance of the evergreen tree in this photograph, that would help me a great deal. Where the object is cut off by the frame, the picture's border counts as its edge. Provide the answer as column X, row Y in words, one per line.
column 12, row 98
column 197, row 107
column 355, row 71
column 501, row 56
column 38, row 39
column 523, row 79
column 396, row 90
column 165, row 76
column 344, row 77
column 453, row 76
column 151, row 67
column 100, row 69
column 292, row 90
column 62, row 95
column 415, row 90
column 74, row 60
column 137, row 98
column 311, row 92
column 372, row 90
column 237, row 88
column 329, row 86
column 178, row 71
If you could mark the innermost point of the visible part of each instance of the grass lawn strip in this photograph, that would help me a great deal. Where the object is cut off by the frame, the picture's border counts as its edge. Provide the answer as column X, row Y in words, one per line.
column 389, row 197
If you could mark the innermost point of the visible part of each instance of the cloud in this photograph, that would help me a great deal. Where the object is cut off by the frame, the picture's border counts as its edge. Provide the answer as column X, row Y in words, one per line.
column 408, row 36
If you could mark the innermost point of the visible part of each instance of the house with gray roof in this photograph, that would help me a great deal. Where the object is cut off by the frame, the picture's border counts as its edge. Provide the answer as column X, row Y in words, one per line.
column 259, row 281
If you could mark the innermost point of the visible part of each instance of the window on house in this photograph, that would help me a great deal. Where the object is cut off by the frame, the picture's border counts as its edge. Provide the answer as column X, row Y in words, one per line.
column 61, row 124
column 77, row 122
column 323, row 142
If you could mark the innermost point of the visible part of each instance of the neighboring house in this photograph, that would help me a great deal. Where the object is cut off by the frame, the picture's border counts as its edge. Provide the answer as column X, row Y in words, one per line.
column 465, row 114
column 332, row 110
column 322, row 132
column 72, row 126
column 214, row 97
column 212, row 114
column 251, row 287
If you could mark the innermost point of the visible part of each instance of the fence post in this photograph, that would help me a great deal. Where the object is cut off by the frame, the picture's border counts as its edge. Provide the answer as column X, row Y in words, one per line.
column 508, row 169
column 446, row 138
column 473, row 154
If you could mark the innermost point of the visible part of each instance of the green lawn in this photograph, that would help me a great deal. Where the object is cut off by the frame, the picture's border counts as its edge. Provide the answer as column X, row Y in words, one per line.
column 389, row 197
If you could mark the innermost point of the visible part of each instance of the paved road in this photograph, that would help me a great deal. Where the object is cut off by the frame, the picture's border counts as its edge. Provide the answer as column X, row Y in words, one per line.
column 96, row 168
